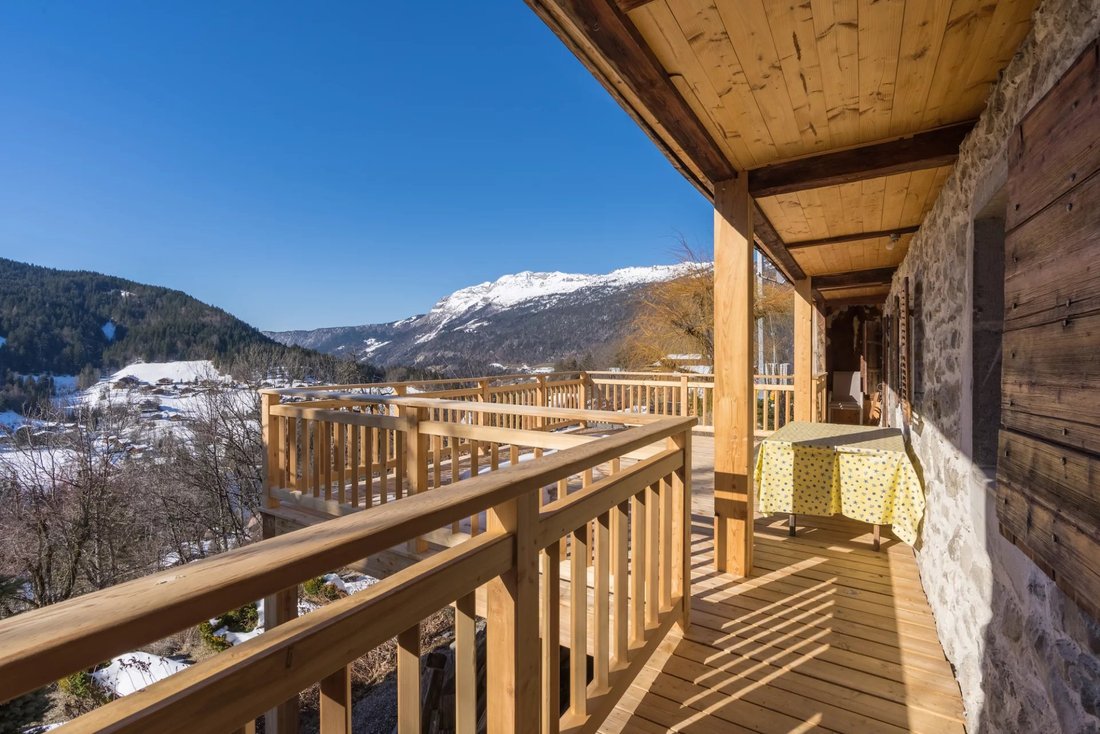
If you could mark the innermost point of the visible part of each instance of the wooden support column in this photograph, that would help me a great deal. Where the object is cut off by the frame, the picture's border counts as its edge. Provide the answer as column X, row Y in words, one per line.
column 734, row 399
column 280, row 608
column 803, row 350
column 513, row 659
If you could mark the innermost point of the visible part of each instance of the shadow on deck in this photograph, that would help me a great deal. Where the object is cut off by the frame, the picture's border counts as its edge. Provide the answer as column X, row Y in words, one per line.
column 826, row 634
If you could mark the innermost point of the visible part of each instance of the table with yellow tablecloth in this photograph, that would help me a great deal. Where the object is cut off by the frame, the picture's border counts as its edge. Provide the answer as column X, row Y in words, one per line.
column 861, row 472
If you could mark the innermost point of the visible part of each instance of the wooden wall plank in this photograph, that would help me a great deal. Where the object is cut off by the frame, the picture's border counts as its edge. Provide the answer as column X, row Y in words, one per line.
column 1050, row 271
column 1057, row 145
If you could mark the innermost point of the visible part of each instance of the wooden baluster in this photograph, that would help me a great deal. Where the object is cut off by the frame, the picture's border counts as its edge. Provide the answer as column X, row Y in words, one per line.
column 292, row 446
column 437, row 460
column 601, row 613
column 315, row 456
column 408, row 681
column 368, row 459
column 475, row 469
column 342, row 462
column 652, row 555
column 335, row 714
column 401, row 470
column 466, row 665
column 681, row 507
column 637, row 568
column 353, row 459
column 383, row 465
column 249, row 728
column 551, row 639
column 666, row 554
column 619, row 620
column 578, row 627
column 326, row 456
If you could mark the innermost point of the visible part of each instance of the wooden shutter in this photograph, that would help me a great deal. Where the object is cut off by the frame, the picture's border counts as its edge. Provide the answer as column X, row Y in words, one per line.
column 1048, row 468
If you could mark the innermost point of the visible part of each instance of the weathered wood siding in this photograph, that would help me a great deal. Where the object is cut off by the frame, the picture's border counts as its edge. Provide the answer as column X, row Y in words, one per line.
column 1048, row 471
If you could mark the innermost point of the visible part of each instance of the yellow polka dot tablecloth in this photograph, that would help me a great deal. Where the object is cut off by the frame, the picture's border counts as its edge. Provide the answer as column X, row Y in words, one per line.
column 861, row 472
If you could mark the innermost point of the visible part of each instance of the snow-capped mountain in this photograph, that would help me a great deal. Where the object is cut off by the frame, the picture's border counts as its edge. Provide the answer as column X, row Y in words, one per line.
column 522, row 318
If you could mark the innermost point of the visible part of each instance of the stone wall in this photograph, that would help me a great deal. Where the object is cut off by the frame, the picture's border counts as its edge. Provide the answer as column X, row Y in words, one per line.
column 1027, row 659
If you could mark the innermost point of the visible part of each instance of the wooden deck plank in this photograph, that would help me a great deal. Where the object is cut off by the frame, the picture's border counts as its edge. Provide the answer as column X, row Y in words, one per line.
column 826, row 634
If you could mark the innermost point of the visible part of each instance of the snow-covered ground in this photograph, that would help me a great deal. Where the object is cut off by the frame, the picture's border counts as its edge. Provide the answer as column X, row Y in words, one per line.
column 177, row 372
column 133, row 671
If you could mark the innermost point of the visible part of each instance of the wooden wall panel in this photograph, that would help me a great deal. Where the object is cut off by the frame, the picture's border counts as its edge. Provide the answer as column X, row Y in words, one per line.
column 1058, row 144
column 1048, row 467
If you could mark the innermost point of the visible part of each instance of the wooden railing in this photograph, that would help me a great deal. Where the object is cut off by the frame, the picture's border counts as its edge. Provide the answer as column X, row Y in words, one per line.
column 689, row 394
column 618, row 504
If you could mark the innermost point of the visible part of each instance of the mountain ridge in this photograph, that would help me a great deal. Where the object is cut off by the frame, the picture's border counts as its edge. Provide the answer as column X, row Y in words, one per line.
column 520, row 318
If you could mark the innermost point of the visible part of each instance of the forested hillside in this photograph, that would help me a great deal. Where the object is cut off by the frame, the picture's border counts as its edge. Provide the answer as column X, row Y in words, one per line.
column 78, row 322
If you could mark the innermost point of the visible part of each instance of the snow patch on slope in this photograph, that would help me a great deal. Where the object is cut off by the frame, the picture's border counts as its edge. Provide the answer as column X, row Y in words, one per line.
column 183, row 371
column 509, row 290
column 109, row 330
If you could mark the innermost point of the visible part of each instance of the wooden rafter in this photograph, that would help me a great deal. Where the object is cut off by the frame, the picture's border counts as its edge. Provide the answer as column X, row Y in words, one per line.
column 876, row 276
column 627, row 5
column 930, row 149
column 854, row 237
column 871, row 300
column 773, row 246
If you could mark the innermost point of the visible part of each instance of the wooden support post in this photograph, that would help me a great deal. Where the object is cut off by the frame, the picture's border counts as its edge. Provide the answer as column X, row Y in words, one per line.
column 466, row 665
column 408, row 681
column 803, row 350
column 551, row 640
column 513, row 680
column 270, row 441
column 734, row 399
column 416, row 461
column 336, row 702
column 280, row 608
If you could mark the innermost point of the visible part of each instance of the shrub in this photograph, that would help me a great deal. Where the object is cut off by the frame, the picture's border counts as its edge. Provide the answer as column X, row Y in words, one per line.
column 321, row 590
column 243, row 619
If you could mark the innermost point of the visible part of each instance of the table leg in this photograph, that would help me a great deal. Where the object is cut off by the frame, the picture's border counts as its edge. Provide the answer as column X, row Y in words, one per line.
column 877, row 529
column 790, row 524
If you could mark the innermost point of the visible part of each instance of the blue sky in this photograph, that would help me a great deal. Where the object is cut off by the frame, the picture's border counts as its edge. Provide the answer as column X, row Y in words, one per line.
column 317, row 164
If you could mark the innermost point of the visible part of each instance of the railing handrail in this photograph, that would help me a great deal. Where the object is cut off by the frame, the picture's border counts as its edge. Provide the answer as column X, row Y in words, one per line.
column 442, row 381
column 43, row 645
column 596, row 416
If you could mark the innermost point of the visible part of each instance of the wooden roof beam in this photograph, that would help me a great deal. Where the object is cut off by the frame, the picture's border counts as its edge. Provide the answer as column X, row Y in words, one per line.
column 772, row 245
column 854, row 237
column 930, row 149
column 877, row 300
column 854, row 279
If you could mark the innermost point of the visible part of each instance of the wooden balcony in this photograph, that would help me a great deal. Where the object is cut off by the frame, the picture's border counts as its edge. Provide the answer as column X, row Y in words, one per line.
column 477, row 498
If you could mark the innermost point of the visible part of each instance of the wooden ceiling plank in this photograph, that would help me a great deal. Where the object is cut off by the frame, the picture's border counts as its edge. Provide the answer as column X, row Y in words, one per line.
column 854, row 237
column 836, row 24
column 874, row 193
column 702, row 29
column 894, row 199
column 814, row 211
column 879, row 45
column 917, row 152
column 968, row 17
column 661, row 31
column 618, row 41
column 745, row 22
column 851, row 202
column 792, row 32
column 868, row 300
column 875, row 276
column 921, row 39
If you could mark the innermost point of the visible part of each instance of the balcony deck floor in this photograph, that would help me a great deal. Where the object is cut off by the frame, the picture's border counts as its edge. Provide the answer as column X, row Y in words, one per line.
column 826, row 634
